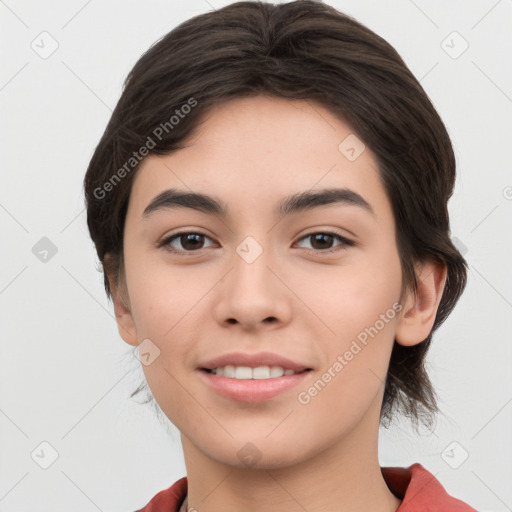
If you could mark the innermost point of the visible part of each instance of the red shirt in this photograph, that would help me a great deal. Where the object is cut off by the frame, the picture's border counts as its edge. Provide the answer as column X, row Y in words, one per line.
column 418, row 489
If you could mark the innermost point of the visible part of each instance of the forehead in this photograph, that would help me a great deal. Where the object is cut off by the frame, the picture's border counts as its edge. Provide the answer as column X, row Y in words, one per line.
column 250, row 152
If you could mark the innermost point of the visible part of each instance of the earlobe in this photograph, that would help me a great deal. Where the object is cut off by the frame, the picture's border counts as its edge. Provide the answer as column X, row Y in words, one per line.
column 124, row 318
column 420, row 308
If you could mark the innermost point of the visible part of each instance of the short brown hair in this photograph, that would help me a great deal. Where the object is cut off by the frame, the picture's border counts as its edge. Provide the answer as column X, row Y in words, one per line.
column 299, row 50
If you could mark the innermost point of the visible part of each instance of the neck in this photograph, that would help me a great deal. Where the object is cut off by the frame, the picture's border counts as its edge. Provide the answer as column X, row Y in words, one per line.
column 344, row 476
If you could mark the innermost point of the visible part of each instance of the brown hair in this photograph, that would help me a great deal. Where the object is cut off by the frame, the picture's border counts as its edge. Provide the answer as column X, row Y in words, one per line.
column 298, row 50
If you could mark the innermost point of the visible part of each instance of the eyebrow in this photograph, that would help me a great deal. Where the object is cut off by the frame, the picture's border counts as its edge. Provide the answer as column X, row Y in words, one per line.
column 299, row 202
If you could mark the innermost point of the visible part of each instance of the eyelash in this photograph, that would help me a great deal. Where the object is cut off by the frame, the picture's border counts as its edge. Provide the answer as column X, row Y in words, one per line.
column 345, row 242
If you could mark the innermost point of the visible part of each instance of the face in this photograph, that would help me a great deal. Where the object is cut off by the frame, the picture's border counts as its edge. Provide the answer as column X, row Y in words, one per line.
column 314, row 286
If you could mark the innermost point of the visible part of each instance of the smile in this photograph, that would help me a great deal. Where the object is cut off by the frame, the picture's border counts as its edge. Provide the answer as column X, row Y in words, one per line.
column 246, row 372
column 252, row 385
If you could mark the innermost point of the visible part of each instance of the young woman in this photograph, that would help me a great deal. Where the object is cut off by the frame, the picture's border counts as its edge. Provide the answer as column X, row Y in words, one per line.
column 269, row 204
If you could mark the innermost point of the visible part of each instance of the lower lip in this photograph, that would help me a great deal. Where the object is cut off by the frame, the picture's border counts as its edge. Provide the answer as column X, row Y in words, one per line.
column 252, row 390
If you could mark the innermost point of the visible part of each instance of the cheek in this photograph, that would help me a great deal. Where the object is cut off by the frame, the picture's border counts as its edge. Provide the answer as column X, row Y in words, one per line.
column 163, row 298
column 359, row 303
column 354, row 373
column 349, row 297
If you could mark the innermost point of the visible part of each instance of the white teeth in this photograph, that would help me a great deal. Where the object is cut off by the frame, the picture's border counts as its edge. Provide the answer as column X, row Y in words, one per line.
column 243, row 372
column 261, row 372
column 246, row 372
column 229, row 371
column 276, row 371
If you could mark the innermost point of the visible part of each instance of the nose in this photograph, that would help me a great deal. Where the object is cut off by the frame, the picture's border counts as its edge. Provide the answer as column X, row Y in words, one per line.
column 254, row 293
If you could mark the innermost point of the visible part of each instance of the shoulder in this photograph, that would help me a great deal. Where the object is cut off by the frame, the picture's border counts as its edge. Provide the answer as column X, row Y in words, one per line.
column 420, row 490
column 168, row 500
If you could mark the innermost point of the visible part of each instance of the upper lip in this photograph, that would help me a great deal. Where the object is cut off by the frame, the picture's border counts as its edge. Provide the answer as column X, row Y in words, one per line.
column 253, row 360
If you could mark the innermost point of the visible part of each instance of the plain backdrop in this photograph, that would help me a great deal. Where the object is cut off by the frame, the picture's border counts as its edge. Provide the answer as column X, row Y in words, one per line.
column 66, row 375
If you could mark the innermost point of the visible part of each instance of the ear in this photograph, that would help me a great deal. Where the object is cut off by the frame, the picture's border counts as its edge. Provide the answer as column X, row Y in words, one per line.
column 121, row 301
column 420, row 308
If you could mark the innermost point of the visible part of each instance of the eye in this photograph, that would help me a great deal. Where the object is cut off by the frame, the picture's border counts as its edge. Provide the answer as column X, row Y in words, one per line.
column 322, row 241
column 190, row 241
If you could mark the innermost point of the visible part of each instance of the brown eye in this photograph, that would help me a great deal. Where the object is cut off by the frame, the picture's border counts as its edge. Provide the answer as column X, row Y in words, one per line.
column 185, row 242
column 323, row 241
column 191, row 241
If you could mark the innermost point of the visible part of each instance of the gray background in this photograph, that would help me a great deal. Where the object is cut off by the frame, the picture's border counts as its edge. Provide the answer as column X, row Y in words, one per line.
column 66, row 375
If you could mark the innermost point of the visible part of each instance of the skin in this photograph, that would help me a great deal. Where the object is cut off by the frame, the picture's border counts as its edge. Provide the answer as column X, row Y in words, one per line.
column 250, row 153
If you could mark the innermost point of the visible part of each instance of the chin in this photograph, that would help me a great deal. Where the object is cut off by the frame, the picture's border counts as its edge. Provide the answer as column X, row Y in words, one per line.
column 257, row 452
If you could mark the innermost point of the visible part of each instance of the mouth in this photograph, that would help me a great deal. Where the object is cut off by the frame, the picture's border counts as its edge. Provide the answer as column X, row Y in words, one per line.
column 253, row 385
column 253, row 373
